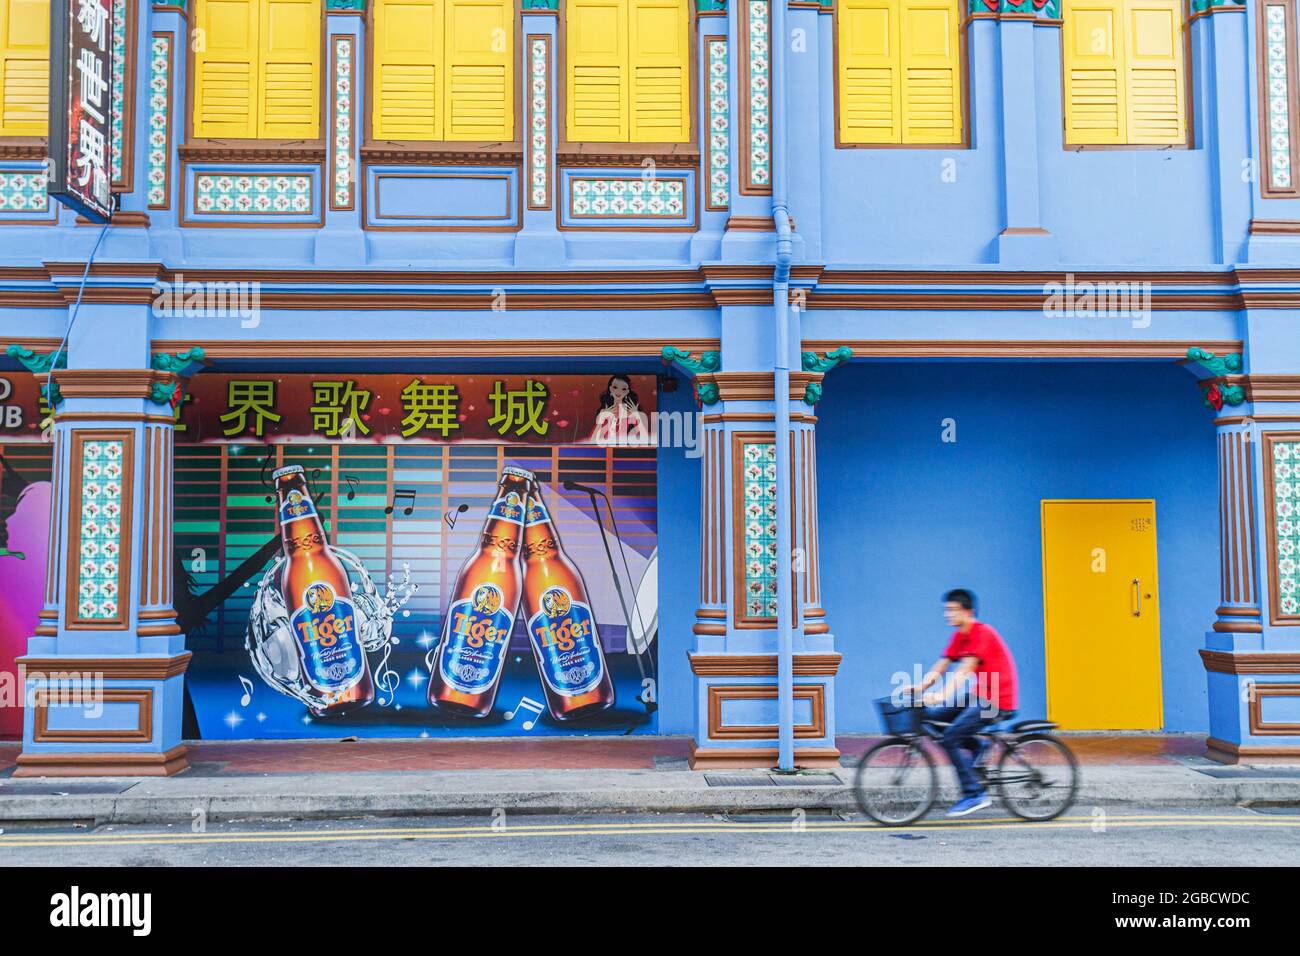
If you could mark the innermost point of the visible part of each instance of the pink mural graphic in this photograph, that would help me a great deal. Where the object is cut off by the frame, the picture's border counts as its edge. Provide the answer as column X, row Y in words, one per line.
column 22, row 571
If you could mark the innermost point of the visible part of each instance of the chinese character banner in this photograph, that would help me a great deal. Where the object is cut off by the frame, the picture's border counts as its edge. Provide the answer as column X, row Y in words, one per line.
column 542, row 409
column 502, row 580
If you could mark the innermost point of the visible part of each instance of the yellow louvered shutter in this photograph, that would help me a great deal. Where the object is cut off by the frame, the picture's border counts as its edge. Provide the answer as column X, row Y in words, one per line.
column 930, row 55
column 407, row 99
column 24, row 67
column 597, row 88
column 1093, row 41
column 869, row 72
column 658, row 58
column 226, row 69
column 479, row 92
column 289, row 69
column 1154, row 71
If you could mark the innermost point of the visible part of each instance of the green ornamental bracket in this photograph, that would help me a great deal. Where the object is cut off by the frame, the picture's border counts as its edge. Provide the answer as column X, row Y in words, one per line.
column 812, row 393
column 1230, row 364
column 170, row 393
column 708, row 362
column 39, row 365
column 1200, row 6
column 335, row 6
column 541, row 4
column 706, row 6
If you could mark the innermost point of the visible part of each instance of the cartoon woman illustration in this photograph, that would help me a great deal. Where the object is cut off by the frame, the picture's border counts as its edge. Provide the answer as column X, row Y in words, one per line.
column 620, row 421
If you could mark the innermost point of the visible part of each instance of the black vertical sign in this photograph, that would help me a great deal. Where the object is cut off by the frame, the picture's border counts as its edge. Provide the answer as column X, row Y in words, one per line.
column 81, row 48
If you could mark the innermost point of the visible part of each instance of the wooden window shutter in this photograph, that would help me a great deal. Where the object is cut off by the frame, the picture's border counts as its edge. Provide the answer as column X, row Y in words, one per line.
column 1154, row 72
column 25, row 66
column 1093, row 43
column 289, row 68
column 597, row 86
column 930, row 55
column 407, row 98
column 479, row 91
column 869, row 91
column 659, row 60
column 226, row 69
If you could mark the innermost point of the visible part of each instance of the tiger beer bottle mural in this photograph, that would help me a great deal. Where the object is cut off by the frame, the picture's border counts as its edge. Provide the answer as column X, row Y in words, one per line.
column 399, row 555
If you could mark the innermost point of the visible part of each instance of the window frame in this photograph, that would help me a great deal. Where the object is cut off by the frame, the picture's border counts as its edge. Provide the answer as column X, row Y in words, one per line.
column 435, row 151
column 616, row 153
column 1189, row 126
column 963, row 40
column 255, row 149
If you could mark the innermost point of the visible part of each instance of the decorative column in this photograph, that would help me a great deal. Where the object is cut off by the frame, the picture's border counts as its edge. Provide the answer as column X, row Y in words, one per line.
column 1252, row 652
column 344, row 79
column 539, row 243
column 734, row 658
column 104, row 672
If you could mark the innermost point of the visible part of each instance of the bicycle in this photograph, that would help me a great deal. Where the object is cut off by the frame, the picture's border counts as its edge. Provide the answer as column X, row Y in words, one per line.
column 896, row 783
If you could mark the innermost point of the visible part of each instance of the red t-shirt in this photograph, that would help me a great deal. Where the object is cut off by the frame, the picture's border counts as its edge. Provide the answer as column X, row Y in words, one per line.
column 995, row 674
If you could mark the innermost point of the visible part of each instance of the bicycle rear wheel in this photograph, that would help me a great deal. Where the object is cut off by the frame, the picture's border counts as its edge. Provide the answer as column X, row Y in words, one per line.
column 1037, row 777
column 896, row 782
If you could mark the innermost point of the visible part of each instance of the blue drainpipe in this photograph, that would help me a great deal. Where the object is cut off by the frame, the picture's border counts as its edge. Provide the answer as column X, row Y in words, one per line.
column 781, row 308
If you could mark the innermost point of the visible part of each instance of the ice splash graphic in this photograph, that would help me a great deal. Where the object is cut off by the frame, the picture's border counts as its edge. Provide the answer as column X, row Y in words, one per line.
column 276, row 655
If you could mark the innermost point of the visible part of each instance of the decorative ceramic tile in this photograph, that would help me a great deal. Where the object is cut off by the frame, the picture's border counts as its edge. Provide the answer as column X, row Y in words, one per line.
column 1278, row 71
column 759, row 515
column 719, row 126
column 628, row 198
column 252, row 193
column 100, row 545
column 1199, row 6
column 23, row 190
column 760, row 107
column 159, row 108
column 1286, row 511
column 117, row 90
column 1049, row 9
column 344, row 178
column 539, row 106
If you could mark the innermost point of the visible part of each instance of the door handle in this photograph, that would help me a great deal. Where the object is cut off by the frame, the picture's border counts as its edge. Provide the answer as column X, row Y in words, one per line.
column 1137, row 598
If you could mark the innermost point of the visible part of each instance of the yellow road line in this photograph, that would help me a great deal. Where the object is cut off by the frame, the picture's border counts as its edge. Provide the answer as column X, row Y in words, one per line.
column 606, row 830
column 596, row 827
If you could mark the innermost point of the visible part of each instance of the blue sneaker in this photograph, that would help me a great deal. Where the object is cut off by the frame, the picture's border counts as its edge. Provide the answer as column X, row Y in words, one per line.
column 970, row 805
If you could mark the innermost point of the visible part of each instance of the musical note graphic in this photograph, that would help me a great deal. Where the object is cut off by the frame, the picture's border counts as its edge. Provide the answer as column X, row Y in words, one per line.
column 450, row 516
column 402, row 494
column 352, row 481
column 528, row 704
column 248, row 690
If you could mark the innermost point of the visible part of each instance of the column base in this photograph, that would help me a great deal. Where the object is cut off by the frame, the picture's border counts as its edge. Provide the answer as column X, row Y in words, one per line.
column 103, row 764
column 735, row 758
column 1224, row 751
column 1254, row 699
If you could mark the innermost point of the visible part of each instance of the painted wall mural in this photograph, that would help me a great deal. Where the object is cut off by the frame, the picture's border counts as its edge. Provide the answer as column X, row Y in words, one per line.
column 417, row 555
column 24, row 541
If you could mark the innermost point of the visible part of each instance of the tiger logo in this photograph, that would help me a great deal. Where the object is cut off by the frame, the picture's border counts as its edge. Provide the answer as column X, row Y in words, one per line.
column 319, row 597
column 556, row 603
column 487, row 600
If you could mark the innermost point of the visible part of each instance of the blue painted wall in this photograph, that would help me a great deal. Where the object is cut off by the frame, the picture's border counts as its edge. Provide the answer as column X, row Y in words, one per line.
column 904, row 516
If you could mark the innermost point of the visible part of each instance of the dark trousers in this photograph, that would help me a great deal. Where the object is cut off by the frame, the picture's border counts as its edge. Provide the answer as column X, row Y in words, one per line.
column 958, row 742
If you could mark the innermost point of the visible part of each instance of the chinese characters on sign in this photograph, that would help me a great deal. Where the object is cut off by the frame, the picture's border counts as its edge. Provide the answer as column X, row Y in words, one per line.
column 80, row 131
column 524, row 409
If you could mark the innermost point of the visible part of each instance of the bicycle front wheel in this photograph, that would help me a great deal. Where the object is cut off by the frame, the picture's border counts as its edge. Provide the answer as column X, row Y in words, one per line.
column 896, row 782
column 1037, row 777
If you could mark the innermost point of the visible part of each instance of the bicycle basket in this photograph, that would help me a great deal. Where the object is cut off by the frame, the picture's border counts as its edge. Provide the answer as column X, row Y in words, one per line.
column 899, row 719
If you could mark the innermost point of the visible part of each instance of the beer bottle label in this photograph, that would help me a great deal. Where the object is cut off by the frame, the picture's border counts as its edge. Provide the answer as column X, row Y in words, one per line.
column 564, row 632
column 326, row 627
column 510, row 507
column 537, row 513
column 475, row 638
column 296, row 505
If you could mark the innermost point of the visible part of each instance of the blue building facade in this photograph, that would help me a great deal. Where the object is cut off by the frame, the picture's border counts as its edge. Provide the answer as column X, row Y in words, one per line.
column 989, row 336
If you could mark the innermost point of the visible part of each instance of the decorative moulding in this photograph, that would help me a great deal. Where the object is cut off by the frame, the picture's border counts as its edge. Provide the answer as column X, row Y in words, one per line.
column 1042, row 9
column 1217, row 392
column 708, row 362
column 181, row 366
column 812, row 363
column 39, row 365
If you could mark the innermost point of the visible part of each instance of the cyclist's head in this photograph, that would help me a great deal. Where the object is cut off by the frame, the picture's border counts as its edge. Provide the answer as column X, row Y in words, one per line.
column 958, row 607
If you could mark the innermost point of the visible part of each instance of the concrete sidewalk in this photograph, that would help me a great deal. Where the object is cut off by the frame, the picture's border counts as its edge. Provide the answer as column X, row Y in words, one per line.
column 261, row 780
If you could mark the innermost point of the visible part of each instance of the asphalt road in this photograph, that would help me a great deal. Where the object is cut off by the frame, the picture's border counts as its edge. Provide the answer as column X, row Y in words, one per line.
column 1134, row 837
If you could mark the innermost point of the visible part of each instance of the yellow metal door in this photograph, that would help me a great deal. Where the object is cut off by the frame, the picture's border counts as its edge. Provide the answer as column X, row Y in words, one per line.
column 1102, row 614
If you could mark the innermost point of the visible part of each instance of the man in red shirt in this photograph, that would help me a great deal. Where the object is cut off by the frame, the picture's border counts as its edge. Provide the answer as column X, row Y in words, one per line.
column 980, row 691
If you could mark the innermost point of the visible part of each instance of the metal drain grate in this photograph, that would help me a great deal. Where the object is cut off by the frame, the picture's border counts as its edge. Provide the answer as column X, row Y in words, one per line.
column 772, row 780
column 40, row 788
column 1250, row 773
column 737, row 780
